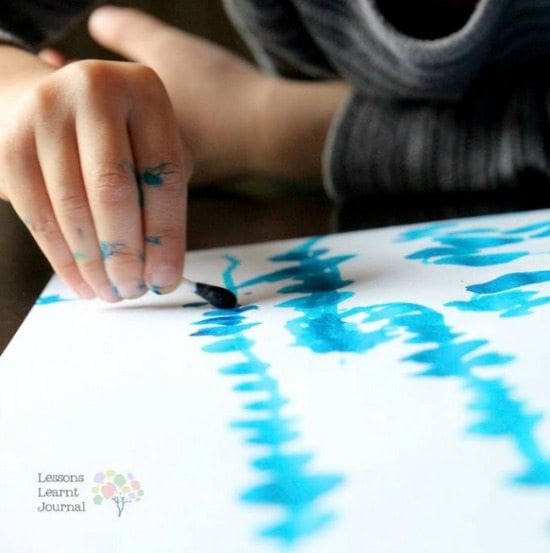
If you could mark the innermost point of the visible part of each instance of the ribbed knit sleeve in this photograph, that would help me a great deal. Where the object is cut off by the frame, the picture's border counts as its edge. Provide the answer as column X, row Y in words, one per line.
column 465, row 111
column 34, row 23
column 484, row 141
column 378, row 60
column 278, row 38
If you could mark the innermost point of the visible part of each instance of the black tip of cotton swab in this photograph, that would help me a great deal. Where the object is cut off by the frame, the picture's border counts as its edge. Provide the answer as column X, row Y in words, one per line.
column 216, row 295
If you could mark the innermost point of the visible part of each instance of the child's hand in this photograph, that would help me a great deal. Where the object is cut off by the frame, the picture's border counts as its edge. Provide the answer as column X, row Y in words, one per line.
column 235, row 119
column 92, row 161
column 215, row 94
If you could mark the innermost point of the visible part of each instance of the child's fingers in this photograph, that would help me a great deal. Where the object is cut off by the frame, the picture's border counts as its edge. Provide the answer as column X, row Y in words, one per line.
column 30, row 200
column 164, row 169
column 59, row 160
column 109, row 178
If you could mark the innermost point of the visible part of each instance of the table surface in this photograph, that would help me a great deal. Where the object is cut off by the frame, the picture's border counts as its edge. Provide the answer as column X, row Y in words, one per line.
column 219, row 217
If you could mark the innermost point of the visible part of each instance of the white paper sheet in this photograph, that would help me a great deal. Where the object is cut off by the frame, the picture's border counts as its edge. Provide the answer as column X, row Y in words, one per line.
column 381, row 391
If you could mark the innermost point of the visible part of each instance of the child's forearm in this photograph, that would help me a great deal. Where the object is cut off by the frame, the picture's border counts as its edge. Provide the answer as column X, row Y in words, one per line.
column 293, row 124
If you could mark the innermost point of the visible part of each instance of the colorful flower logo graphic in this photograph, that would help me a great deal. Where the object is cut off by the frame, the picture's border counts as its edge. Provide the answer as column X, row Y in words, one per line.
column 117, row 487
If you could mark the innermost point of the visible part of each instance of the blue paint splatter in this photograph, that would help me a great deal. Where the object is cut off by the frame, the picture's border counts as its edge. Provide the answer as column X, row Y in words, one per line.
column 53, row 298
column 288, row 481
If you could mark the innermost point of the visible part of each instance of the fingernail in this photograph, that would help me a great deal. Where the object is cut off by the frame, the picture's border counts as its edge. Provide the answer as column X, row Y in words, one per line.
column 85, row 292
column 163, row 279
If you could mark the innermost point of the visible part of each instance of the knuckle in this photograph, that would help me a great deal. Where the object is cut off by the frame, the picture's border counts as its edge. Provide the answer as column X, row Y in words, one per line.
column 175, row 181
column 171, row 176
column 45, row 226
column 66, row 268
column 125, row 259
column 96, row 78
column 88, row 72
column 149, row 87
column 171, row 236
column 39, row 103
column 17, row 147
column 125, row 265
column 114, row 187
column 72, row 204
column 146, row 75
column 92, row 267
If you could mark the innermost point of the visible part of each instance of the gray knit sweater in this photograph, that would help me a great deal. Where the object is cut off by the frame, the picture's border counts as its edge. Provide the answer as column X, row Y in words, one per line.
column 463, row 111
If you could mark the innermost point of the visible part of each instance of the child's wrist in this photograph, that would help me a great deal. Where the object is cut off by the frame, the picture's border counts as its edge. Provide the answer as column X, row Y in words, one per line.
column 292, row 125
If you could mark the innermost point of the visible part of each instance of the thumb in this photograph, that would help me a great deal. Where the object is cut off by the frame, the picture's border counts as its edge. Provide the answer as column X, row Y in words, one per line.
column 127, row 31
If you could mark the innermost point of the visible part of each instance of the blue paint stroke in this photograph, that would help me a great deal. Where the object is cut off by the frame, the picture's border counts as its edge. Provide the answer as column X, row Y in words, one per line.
column 53, row 298
column 501, row 295
column 535, row 230
column 510, row 281
column 324, row 327
column 468, row 246
column 499, row 414
column 288, row 481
